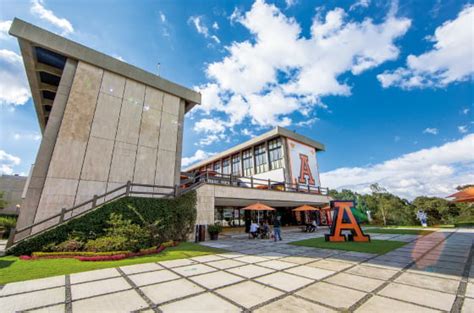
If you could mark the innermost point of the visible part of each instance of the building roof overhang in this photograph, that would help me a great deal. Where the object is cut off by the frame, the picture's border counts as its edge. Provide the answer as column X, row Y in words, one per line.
column 275, row 132
column 53, row 50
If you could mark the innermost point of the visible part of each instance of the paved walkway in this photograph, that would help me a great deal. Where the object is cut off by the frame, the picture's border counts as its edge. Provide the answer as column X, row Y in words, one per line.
column 430, row 274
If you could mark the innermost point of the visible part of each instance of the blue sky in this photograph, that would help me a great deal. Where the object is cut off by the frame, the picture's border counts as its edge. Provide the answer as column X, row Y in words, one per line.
column 386, row 86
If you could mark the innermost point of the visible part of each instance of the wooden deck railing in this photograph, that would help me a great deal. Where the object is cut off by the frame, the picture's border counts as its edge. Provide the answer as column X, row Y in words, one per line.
column 210, row 177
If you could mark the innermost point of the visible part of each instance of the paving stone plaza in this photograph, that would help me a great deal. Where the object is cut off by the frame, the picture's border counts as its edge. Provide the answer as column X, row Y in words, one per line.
column 433, row 273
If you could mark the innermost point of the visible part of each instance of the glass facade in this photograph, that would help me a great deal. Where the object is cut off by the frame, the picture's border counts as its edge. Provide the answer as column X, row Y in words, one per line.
column 229, row 216
column 236, row 165
column 226, row 166
column 217, row 166
column 248, row 162
column 275, row 153
column 251, row 161
column 260, row 159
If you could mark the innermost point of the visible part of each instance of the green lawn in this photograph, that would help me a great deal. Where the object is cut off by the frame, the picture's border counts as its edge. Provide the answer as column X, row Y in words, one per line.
column 375, row 246
column 13, row 269
column 399, row 231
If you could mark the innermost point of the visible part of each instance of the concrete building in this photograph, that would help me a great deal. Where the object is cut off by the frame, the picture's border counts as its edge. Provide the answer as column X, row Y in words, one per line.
column 12, row 187
column 104, row 122
column 278, row 168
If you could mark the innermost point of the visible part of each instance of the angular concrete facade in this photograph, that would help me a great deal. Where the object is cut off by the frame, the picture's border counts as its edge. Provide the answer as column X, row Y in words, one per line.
column 107, row 123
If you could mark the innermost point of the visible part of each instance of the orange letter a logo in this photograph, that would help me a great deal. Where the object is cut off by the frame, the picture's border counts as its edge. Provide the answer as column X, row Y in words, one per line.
column 305, row 170
column 344, row 208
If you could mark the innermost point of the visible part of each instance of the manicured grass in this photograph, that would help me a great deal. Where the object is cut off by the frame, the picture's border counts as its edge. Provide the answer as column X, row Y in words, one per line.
column 13, row 269
column 375, row 246
column 399, row 231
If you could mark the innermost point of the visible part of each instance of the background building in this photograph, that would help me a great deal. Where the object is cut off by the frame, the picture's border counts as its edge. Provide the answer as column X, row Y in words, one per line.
column 12, row 187
column 277, row 155
column 278, row 168
column 104, row 122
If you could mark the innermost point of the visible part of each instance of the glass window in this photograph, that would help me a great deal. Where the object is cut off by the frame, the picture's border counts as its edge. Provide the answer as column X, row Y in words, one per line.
column 209, row 167
column 248, row 164
column 260, row 159
column 217, row 166
column 236, row 165
column 275, row 153
column 226, row 166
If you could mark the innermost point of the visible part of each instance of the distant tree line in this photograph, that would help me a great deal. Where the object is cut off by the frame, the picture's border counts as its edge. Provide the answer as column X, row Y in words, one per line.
column 388, row 209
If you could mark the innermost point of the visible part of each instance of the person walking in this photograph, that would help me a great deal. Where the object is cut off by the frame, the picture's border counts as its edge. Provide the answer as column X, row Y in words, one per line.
column 277, row 228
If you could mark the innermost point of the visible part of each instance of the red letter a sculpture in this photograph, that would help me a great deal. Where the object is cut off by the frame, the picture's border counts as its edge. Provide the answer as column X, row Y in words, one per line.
column 343, row 209
column 305, row 171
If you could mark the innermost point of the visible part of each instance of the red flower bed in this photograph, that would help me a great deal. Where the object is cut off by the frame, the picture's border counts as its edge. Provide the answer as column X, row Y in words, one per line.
column 120, row 256
column 90, row 257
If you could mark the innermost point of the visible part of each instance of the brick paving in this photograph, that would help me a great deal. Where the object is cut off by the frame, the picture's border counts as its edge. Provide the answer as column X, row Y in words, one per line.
column 433, row 273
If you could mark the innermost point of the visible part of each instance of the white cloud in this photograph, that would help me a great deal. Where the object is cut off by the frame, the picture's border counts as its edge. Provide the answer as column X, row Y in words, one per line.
column 465, row 111
column 4, row 28
column 8, row 162
column 432, row 131
column 199, row 155
column 209, row 126
column 201, row 28
column 162, row 17
column 290, row 3
column 35, row 136
column 118, row 57
column 14, row 89
column 210, row 139
column 433, row 172
column 38, row 9
column 252, row 70
column 308, row 122
column 248, row 132
column 463, row 129
column 215, row 26
column 451, row 59
column 360, row 4
column 235, row 16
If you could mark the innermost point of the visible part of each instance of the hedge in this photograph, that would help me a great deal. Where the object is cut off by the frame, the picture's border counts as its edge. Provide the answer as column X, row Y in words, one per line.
column 464, row 224
column 176, row 220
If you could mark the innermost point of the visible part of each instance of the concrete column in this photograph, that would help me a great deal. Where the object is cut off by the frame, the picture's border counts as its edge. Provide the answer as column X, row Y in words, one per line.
column 45, row 152
column 241, row 163
column 179, row 143
column 267, row 156
column 253, row 161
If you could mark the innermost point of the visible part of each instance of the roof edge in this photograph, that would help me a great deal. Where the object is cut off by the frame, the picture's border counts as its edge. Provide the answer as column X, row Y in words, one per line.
column 275, row 132
column 41, row 37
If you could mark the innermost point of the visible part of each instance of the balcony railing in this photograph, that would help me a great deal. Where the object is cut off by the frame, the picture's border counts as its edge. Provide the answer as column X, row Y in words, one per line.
column 211, row 177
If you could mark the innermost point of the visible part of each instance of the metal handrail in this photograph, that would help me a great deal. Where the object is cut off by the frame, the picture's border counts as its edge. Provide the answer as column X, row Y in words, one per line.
column 253, row 182
column 128, row 190
column 193, row 181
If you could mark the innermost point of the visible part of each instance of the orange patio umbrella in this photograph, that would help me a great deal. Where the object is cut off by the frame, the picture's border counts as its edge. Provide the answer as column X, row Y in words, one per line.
column 258, row 207
column 305, row 208
column 465, row 195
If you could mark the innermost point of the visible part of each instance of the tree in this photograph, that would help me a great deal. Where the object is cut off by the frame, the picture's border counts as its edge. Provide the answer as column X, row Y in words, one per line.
column 462, row 187
column 381, row 196
column 439, row 211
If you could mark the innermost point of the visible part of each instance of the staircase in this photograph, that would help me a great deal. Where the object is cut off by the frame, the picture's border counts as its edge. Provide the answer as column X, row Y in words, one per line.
column 127, row 190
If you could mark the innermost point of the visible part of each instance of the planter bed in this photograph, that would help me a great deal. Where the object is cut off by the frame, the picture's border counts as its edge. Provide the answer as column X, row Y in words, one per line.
column 86, row 256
